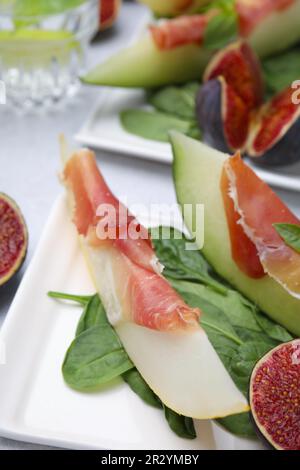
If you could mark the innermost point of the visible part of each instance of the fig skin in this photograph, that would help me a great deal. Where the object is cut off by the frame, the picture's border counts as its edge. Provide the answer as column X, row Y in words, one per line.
column 285, row 152
column 274, row 137
column 208, row 113
column 16, row 214
column 222, row 116
column 274, row 389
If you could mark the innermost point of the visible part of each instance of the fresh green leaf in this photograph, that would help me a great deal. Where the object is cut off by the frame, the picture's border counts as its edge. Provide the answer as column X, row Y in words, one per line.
column 93, row 315
column 240, row 424
column 153, row 125
column 177, row 101
column 239, row 314
column 95, row 357
column 81, row 299
column 221, row 29
column 272, row 330
column 180, row 263
column 244, row 361
column 212, row 318
column 181, row 425
column 290, row 233
column 282, row 70
column 138, row 385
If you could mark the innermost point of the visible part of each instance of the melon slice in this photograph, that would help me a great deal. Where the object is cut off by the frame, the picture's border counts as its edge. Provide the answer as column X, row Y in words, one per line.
column 145, row 65
column 197, row 171
column 160, row 333
column 258, row 209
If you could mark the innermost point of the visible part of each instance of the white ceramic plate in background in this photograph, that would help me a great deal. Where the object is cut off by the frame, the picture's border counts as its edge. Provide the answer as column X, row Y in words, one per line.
column 103, row 130
column 35, row 403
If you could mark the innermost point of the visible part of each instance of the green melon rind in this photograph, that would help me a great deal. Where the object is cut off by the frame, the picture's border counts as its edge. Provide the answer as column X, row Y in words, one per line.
column 144, row 65
column 197, row 172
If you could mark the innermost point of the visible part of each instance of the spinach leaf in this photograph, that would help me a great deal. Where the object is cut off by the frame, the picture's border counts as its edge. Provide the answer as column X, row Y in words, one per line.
column 282, row 70
column 240, row 424
column 238, row 313
column 222, row 27
column 244, row 361
column 81, row 299
column 155, row 125
column 272, row 329
column 181, row 425
column 180, row 263
column 93, row 315
column 138, row 385
column 95, row 357
column 177, row 101
column 290, row 233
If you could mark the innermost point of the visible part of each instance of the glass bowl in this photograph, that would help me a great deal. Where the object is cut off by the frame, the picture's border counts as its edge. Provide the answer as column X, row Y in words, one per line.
column 43, row 48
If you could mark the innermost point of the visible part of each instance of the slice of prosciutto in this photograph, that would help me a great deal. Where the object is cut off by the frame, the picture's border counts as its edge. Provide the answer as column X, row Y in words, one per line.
column 191, row 29
column 160, row 332
column 106, row 223
column 252, row 209
column 180, row 31
column 253, row 12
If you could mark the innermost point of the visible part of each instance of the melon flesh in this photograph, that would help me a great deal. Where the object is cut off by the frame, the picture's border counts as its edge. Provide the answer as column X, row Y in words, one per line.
column 173, row 7
column 143, row 65
column 197, row 171
column 181, row 367
column 277, row 32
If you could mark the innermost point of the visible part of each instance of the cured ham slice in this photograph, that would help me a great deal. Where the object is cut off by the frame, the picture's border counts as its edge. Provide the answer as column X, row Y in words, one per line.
column 180, row 31
column 91, row 193
column 252, row 12
column 150, row 301
column 252, row 208
column 191, row 29
column 160, row 333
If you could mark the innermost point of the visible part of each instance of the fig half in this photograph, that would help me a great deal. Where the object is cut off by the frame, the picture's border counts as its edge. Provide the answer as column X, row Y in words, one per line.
column 274, row 137
column 275, row 396
column 232, row 91
column 240, row 67
column 222, row 115
column 13, row 238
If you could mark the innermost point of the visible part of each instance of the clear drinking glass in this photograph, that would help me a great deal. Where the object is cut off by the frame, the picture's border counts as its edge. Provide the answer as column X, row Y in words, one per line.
column 43, row 47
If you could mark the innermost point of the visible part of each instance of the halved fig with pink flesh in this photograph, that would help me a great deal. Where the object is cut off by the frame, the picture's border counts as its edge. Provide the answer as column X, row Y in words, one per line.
column 274, row 138
column 222, row 115
column 275, row 396
column 241, row 69
column 13, row 238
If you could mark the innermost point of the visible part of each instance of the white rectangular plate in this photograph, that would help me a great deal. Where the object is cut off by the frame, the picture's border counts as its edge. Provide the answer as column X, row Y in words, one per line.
column 103, row 130
column 35, row 403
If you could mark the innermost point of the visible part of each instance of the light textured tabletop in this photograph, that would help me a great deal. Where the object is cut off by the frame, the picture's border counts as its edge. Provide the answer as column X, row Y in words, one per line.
column 29, row 162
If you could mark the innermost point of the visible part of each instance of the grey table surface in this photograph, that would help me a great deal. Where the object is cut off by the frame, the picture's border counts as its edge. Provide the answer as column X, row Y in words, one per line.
column 29, row 162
